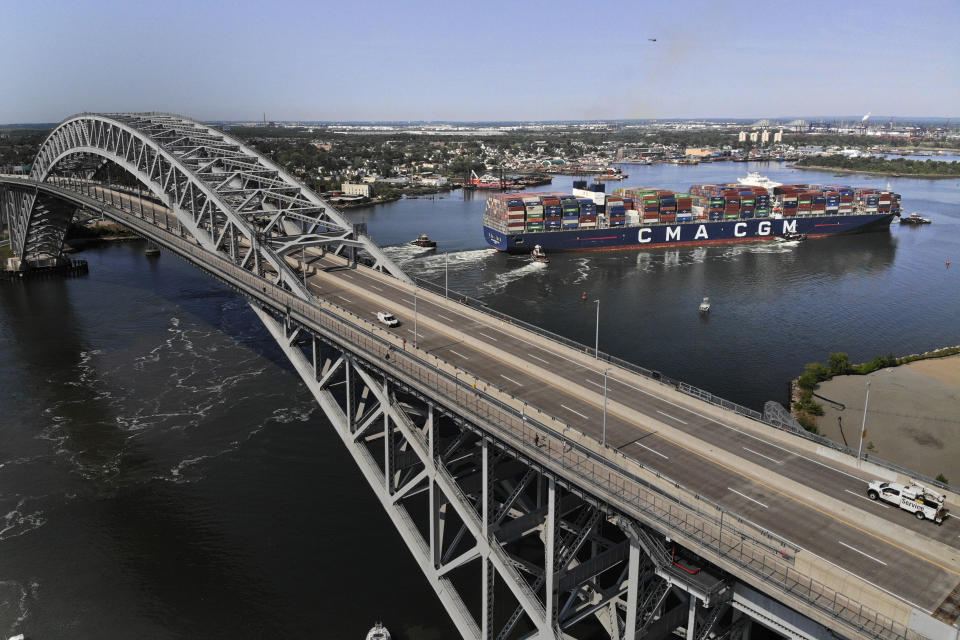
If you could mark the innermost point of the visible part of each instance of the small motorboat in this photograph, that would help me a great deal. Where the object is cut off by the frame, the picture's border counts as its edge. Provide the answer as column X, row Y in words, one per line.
column 705, row 305
column 378, row 632
column 915, row 218
column 539, row 255
column 790, row 236
column 423, row 240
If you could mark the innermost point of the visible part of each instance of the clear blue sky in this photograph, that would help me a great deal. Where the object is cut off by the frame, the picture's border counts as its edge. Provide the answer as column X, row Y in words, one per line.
column 492, row 60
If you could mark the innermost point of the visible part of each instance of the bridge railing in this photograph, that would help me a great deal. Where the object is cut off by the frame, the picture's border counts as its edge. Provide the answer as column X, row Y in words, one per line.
column 702, row 523
column 657, row 376
column 683, row 387
column 609, row 474
column 695, row 518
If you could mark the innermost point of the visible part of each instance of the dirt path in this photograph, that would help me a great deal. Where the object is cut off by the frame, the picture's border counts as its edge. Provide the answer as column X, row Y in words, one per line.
column 913, row 418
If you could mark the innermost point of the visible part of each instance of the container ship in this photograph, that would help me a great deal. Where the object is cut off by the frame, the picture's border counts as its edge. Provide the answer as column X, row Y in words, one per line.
column 752, row 209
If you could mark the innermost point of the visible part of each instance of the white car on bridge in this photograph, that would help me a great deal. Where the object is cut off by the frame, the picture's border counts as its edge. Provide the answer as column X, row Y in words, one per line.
column 921, row 501
column 387, row 318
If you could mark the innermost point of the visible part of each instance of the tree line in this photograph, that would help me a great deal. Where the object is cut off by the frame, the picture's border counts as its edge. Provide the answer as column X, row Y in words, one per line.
column 884, row 165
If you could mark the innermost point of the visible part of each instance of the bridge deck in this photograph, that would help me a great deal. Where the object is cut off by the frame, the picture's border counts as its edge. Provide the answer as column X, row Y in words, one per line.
column 721, row 458
column 776, row 481
column 816, row 503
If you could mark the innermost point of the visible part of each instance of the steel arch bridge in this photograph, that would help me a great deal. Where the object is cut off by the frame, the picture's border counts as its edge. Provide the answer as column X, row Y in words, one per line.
column 482, row 493
column 232, row 200
column 236, row 215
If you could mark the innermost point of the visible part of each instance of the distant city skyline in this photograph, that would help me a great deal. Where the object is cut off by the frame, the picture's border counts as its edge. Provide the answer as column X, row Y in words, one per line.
column 496, row 61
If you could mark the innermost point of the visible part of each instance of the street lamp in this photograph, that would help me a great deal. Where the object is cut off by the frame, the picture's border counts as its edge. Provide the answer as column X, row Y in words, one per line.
column 446, row 274
column 863, row 427
column 603, row 440
column 596, row 344
column 415, row 327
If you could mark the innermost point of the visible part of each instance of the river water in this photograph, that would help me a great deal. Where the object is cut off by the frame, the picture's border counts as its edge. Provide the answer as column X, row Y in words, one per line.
column 164, row 474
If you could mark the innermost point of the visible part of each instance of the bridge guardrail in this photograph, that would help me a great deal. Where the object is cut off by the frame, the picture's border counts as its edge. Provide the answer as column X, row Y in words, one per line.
column 691, row 517
column 683, row 387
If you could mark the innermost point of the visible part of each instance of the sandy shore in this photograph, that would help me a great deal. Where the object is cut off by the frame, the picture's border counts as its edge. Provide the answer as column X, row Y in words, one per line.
column 913, row 418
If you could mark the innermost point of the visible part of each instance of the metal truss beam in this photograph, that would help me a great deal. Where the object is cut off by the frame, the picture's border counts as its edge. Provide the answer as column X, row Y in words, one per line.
column 208, row 180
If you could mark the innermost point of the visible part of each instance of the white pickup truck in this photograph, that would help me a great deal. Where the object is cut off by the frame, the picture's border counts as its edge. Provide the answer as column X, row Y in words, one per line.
column 921, row 501
column 387, row 318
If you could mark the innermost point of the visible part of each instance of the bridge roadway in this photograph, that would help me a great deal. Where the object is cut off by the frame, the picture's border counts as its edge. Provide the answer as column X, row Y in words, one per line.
column 725, row 461
column 778, row 481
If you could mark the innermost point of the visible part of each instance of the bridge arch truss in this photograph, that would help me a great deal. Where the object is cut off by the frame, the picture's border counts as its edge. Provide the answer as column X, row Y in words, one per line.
column 229, row 198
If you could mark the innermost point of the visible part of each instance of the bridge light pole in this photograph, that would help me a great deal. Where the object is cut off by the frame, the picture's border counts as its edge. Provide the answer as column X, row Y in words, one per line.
column 596, row 344
column 446, row 274
column 863, row 427
column 603, row 440
column 415, row 333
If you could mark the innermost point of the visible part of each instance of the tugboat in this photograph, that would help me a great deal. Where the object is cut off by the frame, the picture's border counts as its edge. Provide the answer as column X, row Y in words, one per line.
column 790, row 236
column 705, row 305
column 915, row 218
column 539, row 255
column 423, row 240
column 378, row 632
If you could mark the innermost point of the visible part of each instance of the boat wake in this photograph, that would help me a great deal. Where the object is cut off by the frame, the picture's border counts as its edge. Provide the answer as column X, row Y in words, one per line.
column 404, row 253
column 181, row 380
column 501, row 280
column 19, row 521
column 759, row 248
column 434, row 265
column 15, row 598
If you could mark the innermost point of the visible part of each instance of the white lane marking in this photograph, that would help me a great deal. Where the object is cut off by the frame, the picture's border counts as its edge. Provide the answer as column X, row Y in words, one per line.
column 345, row 299
column 672, row 417
column 410, row 330
column 655, row 396
column 757, row 453
column 347, row 276
column 596, row 384
column 408, row 300
column 848, row 572
column 740, row 431
column 861, row 552
column 459, row 354
column 373, row 286
column 511, row 380
column 445, row 317
column 536, row 358
column 651, row 450
column 755, row 437
column 574, row 411
column 854, row 493
column 749, row 498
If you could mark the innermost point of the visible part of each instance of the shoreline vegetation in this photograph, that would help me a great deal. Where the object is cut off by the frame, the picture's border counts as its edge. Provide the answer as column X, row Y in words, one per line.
column 806, row 410
column 897, row 167
column 384, row 195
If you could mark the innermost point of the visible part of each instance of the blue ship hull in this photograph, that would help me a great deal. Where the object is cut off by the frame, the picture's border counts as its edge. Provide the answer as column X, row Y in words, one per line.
column 684, row 233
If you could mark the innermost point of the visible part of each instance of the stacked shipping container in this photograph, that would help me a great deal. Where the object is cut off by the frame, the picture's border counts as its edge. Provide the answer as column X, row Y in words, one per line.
column 534, row 212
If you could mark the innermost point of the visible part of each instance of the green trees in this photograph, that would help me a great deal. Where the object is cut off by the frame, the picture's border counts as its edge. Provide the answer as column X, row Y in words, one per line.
column 839, row 363
column 884, row 165
column 813, row 373
column 464, row 164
